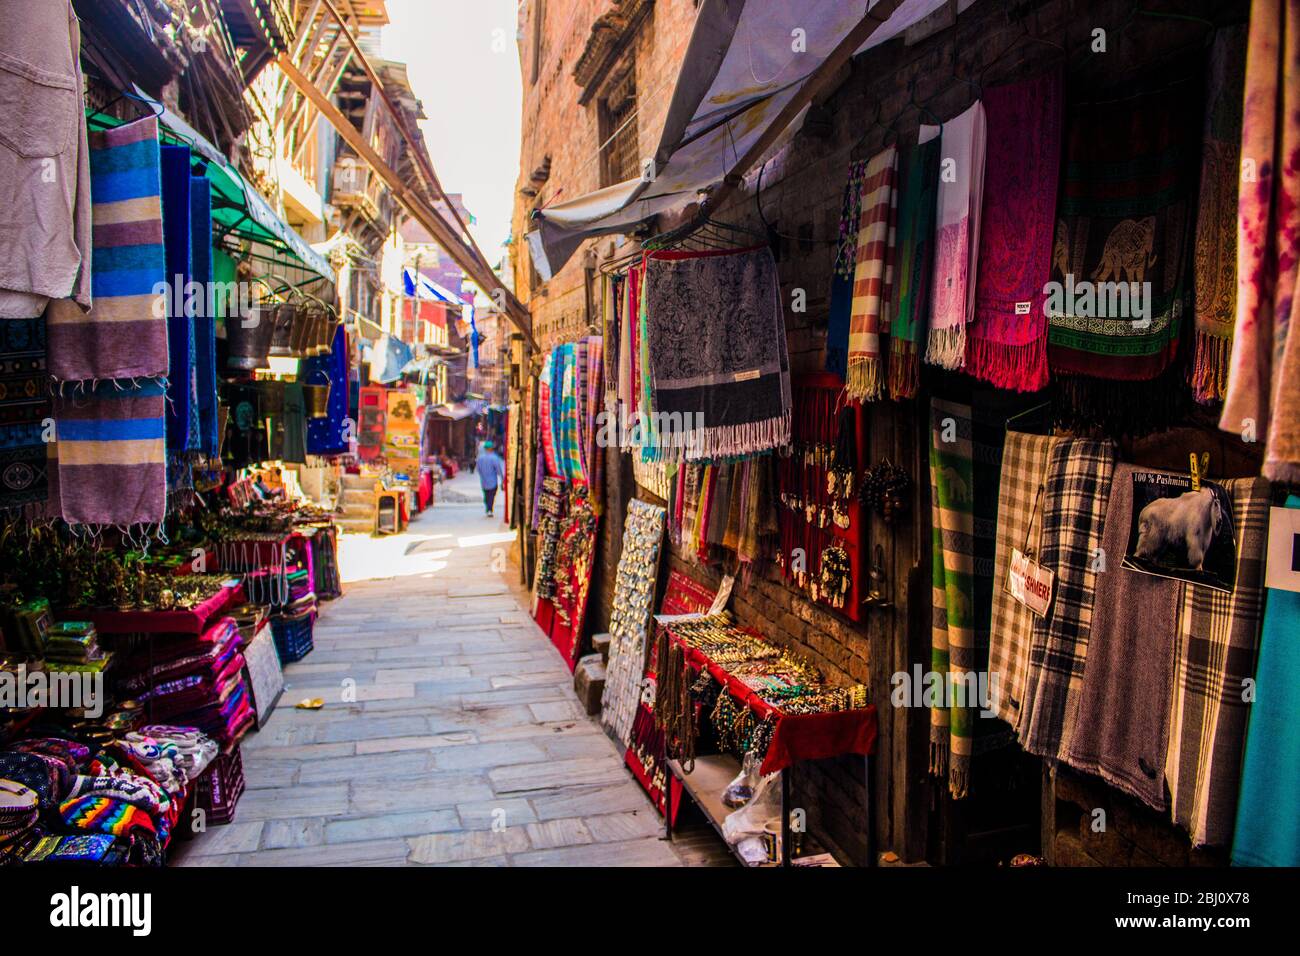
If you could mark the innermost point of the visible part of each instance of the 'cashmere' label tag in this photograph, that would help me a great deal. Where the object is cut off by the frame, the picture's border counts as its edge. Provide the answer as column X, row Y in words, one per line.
column 753, row 373
column 1022, row 308
column 1030, row 583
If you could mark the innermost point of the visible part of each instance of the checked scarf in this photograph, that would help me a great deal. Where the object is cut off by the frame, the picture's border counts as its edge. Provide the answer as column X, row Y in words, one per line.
column 1074, row 505
column 1020, row 525
column 1217, row 646
column 873, row 277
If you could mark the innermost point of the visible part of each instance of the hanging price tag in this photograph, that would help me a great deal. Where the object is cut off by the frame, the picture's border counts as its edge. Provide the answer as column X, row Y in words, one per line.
column 1030, row 583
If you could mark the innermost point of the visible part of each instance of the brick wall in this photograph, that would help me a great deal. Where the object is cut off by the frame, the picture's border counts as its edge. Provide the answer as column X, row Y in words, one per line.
column 800, row 197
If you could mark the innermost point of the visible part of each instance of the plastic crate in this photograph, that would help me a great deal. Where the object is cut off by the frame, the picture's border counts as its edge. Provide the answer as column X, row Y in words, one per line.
column 219, row 787
column 293, row 635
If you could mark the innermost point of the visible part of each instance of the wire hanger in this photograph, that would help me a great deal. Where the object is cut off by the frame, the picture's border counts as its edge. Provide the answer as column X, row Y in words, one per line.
column 1018, row 416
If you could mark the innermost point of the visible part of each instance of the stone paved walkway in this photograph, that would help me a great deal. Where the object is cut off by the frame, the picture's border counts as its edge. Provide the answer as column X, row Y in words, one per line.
column 450, row 733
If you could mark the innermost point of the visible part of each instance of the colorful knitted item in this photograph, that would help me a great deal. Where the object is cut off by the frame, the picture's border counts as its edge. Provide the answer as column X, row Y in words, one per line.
column 105, row 815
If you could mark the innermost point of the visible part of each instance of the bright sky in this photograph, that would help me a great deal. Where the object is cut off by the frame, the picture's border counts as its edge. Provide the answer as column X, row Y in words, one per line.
column 463, row 63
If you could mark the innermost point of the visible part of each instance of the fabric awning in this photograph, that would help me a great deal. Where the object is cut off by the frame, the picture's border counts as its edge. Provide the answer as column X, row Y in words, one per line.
column 746, row 60
column 237, row 207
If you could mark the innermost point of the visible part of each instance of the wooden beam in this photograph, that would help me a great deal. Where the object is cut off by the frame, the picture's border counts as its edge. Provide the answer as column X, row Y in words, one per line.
column 814, row 86
column 464, row 254
column 417, row 151
column 302, row 104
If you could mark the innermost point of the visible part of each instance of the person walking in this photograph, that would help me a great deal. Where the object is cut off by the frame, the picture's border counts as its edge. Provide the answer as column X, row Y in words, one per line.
column 490, row 468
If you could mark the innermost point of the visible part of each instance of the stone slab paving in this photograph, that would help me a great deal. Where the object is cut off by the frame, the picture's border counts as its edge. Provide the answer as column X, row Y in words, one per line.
column 450, row 735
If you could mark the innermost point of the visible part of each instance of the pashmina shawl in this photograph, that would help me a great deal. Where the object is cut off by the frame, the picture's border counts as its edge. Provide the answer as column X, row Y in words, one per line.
column 1263, row 396
column 546, row 414
column 957, row 233
column 918, row 187
column 1216, row 648
column 1266, row 831
column 205, row 323
column 716, row 350
column 1123, row 236
column 1020, row 524
column 24, row 407
column 182, row 395
column 328, row 435
column 872, row 278
column 837, row 329
column 1074, row 503
column 1007, row 341
column 1124, row 700
column 1216, row 216
column 124, row 335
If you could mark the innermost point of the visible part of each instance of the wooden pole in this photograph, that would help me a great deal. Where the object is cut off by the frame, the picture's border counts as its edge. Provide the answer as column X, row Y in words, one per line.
column 465, row 254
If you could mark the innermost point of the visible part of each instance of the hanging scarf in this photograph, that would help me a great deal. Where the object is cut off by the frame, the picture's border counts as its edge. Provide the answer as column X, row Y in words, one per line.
column 1266, row 832
column 546, row 415
column 1007, row 341
column 205, row 324
column 122, row 336
column 24, row 407
column 1216, row 647
column 182, row 378
column 1124, row 697
column 957, row 234
column 1263, row 396
column 112, row 464
column 952, row 650
column 1216, row 216
column 837, row 330
column 872, row 278
column 716, row 350
column 1074, row 505
column 918, row 189
column 1125, row 221
column 1020, row 523
column 328, row 435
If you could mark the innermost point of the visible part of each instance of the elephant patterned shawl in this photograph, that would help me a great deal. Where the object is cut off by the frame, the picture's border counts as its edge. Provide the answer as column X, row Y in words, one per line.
column 1121, row 258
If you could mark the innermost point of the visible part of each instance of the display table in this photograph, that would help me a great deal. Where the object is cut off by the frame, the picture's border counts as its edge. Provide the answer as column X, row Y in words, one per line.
column 795, row 738
column 177, row 621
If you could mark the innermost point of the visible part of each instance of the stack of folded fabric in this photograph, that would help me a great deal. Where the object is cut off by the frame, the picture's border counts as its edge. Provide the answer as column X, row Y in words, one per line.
column 194, row 680
column 74, row 646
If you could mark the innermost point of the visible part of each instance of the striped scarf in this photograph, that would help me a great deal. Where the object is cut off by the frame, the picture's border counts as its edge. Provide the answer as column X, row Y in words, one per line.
column 546, row 416
column 105, row 815
column 124, row 335
column 1217, row 644
column 872, row 277
column 111, row 466
column 952, row 649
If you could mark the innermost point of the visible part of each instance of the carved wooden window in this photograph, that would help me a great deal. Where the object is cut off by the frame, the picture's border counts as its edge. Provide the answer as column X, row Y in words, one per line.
column 618, row 131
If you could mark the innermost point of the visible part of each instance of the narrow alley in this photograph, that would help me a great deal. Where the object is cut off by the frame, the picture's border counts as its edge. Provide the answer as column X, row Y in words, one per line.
column 450, row 732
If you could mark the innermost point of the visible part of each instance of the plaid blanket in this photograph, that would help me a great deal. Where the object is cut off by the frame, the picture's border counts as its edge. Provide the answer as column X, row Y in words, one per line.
column 716, row 349
column 1020, row 524
column 1074, row 503
column 872, row 277
column 122, row 336
column 1217, row 645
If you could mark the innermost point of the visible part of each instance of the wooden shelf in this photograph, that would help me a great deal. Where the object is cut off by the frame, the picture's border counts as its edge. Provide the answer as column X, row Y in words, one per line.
column 705, row 786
